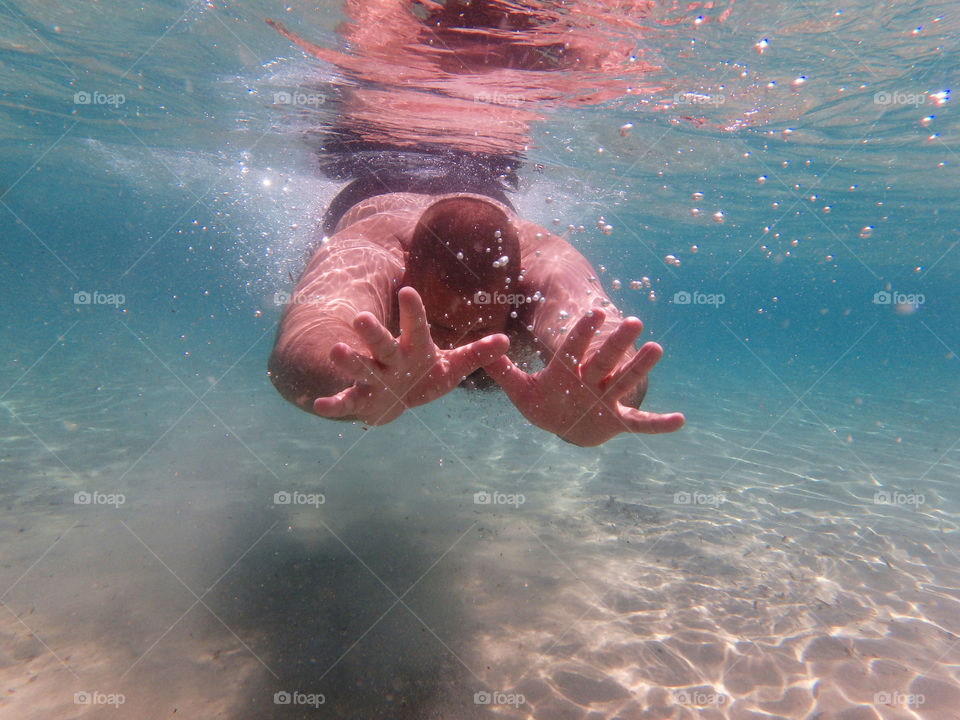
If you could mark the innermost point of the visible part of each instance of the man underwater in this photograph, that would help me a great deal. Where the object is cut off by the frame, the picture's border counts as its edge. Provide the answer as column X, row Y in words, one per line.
column 426, row 278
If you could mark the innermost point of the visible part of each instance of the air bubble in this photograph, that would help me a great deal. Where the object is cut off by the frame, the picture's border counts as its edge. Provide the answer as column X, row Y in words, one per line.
column 718, row 216
column 616, row 284
column 866, row 232
column 607, row 229
column 459, row 256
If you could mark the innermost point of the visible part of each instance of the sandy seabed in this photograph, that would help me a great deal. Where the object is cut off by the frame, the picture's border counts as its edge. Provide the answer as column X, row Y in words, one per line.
column 732, row 571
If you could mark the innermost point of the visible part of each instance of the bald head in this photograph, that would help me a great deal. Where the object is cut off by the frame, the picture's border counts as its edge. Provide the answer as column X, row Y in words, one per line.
column 464, row 257
column 462, row 242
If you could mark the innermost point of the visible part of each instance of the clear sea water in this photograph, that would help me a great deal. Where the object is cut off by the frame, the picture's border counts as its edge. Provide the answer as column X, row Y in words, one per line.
column 790, row 553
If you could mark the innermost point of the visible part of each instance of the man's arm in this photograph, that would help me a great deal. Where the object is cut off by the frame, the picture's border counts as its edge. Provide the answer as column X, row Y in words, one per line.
column 570, row 287
column 338, row 351
column 347, row 275
column 594, row 378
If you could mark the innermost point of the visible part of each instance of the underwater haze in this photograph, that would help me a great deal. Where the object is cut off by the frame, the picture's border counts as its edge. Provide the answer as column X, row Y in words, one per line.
column 770, row 186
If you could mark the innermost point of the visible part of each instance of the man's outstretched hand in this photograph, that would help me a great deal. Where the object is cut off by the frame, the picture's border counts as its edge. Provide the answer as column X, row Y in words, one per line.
column 578, row 398
column 401, row 372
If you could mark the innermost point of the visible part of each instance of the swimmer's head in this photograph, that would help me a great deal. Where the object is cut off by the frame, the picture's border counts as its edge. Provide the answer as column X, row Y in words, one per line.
column 463, row 252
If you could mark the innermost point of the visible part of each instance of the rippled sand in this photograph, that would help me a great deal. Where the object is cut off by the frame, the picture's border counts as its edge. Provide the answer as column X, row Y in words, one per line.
column 705, row 575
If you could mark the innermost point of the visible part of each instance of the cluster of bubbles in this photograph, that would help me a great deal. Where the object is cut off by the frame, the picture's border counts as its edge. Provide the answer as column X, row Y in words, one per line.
column 641, row 284
column 718, row 216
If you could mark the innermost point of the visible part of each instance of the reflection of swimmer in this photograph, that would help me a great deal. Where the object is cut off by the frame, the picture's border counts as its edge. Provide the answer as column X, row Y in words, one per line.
column 413, row 293
column 426, row 275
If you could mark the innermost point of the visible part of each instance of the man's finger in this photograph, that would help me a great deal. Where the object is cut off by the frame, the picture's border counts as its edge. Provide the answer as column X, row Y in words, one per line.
column 611, row 352
column 464, row 360
column 345, row 403
column 375, row 336
column 413, row 319
column 639, row 421
column 578, row 339
column 351, row 363
column 514, row 381
column 638, row 368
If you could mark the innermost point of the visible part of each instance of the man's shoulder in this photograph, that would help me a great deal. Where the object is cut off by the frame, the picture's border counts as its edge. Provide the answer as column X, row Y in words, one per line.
column 398, row 205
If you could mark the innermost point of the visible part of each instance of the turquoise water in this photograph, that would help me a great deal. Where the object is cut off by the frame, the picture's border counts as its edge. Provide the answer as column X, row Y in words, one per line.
column 790, row 553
